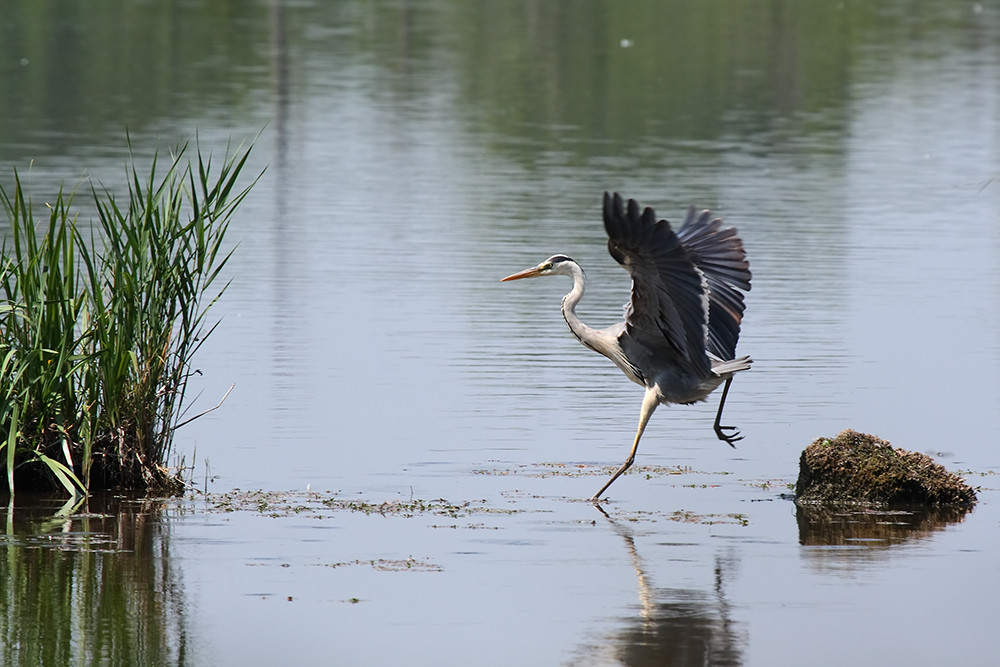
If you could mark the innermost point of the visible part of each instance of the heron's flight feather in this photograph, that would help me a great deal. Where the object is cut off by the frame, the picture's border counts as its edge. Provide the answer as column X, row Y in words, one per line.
column 669, row 309
column 718, row 252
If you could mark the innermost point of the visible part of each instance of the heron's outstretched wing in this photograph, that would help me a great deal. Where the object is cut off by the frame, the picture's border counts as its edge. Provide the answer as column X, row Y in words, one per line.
column 718, row 252
column 669, row 308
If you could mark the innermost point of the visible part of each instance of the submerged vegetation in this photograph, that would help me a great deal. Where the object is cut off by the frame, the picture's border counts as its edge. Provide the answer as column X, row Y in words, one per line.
column 99, row 324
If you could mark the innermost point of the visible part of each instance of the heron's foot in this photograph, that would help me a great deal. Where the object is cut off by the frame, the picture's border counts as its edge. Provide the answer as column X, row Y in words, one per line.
column 730, row 438
column 596, row 498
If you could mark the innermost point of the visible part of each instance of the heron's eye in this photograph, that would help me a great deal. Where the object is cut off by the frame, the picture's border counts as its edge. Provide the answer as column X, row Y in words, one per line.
column 546, row 266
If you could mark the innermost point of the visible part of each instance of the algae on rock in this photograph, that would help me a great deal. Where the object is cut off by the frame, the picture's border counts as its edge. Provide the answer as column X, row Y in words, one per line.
column 861, row 468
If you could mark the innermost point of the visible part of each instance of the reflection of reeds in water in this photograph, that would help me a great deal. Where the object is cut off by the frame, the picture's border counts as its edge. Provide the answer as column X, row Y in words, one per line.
column 675, row 626
column 94, row 588
column 855, row 531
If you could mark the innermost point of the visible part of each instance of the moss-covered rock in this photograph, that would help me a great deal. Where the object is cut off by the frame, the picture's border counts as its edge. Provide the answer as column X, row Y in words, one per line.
column 860, row 468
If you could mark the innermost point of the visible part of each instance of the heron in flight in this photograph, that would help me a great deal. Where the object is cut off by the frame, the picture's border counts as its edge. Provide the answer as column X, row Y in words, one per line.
column 682, row 322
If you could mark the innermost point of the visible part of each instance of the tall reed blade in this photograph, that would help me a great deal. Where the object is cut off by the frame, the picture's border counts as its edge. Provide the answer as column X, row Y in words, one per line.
column 99, row 327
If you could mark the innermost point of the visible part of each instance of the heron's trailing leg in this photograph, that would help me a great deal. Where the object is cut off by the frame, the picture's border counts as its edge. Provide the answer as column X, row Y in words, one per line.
column 649, row 403
column 720, row 430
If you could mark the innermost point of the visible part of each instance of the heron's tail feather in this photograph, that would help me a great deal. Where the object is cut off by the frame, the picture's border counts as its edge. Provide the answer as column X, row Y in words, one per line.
column 732, row 366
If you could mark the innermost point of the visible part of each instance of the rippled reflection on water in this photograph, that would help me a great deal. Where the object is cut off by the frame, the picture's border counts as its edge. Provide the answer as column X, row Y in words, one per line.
column 417, row 152
column 93, row 581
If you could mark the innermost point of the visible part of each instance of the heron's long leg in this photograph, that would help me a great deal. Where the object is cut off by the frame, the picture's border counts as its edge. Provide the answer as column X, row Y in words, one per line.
column 720, row 430
column 649, row 403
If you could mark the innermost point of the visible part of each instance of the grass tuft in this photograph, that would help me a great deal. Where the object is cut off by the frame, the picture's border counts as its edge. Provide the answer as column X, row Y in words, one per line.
column 98, row 328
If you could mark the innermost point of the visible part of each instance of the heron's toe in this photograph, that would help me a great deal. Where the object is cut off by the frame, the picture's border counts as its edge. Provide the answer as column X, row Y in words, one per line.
column 728, row 438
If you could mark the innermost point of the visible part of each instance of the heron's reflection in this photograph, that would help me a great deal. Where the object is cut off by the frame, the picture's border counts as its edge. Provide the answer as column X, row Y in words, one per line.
column 675, row 626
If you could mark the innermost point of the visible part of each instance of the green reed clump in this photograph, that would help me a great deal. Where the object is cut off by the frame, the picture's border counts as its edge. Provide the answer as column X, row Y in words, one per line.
column 99, row 327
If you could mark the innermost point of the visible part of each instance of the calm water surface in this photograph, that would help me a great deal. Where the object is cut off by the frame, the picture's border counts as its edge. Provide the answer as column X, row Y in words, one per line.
column 415, row 153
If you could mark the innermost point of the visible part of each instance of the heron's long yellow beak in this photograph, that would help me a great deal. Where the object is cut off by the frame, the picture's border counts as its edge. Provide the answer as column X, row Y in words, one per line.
column 527, row 273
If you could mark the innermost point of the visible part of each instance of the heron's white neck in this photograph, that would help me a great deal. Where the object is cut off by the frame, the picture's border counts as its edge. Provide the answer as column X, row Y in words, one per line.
column 583, row 333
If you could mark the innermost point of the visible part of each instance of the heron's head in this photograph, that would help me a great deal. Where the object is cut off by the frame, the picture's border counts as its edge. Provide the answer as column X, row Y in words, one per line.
column 554, row 265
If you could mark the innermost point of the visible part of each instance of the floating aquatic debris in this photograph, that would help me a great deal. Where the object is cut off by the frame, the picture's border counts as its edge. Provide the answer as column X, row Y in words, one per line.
column 546, row 469
column 310, row 503
column 410, row 564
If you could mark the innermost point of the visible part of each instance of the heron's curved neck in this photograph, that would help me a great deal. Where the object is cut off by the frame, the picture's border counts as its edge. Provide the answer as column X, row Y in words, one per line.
column 582, row 332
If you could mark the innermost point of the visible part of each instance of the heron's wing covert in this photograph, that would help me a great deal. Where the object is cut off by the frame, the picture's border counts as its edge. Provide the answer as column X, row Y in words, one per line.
column 718, row 252
column 668, row 311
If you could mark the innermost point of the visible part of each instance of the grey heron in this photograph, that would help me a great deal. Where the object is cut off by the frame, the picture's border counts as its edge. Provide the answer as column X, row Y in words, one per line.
column 682, row 321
